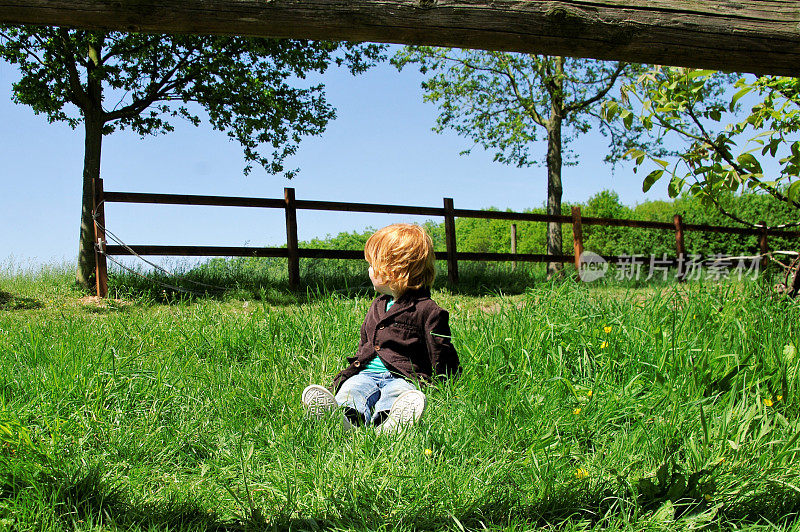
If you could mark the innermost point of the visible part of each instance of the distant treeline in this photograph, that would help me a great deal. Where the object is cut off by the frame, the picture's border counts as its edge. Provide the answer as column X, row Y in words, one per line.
column 476, row 235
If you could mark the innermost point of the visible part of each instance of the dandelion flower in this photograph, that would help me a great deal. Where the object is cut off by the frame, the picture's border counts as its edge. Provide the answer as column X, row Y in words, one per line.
column 607, row 329
column 768, row 402
column 428, row 452
column 581, row 473
column 589, row 393
column 576, row 411
column 779, row 398
column 604, row 345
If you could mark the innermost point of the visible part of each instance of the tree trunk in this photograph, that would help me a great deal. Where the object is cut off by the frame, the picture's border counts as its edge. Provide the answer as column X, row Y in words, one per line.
column 91, row 170
column 554, row 188
column 93, row 140
column 793, row 279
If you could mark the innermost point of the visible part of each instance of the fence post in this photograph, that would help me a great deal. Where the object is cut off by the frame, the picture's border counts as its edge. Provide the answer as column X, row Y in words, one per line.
column 291, row 238
column 677, row 220
column 762, row 243
column 450, row 240
column 577, row 238
column 513, row 245
column 99, row 216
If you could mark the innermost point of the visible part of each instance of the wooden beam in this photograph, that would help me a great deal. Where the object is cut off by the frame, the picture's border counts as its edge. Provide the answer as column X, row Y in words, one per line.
column 577, row 238
column 759, row 36
column 291, row 238
column 450, row 240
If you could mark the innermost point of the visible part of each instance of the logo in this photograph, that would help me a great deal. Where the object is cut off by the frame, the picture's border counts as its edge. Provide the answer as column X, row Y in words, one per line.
column 593, row 266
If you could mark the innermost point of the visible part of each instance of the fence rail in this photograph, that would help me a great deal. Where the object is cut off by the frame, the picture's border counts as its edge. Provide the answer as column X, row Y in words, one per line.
column 294, row 253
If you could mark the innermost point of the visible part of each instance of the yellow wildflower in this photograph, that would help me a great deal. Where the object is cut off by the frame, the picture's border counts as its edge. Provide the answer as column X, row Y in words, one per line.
column 779, row 398
column 604, row 345
column 576, row 411
column 581, row 473
column 428, row 452
column 768, row 402
column 607, row 329
column 589, row 393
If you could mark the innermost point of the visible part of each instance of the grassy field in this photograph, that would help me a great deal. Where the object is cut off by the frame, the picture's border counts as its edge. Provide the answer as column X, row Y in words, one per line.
column 580, row 407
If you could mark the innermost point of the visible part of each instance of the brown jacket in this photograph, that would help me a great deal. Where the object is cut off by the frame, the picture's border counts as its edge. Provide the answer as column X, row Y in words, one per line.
column 412, row 339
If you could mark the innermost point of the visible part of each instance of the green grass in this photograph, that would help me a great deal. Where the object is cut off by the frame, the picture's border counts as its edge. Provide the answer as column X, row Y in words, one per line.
column 173, row 411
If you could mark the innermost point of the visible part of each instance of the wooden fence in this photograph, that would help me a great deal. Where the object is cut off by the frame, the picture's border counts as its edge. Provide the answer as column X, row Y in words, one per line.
column 294, row 253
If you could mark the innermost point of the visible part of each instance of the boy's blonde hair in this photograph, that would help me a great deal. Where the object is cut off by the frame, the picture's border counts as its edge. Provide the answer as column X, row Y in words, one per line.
column 402, row 255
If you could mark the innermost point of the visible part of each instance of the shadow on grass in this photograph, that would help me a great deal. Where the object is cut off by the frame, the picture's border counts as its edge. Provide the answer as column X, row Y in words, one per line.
column 266, row 280
column 12, row 302
column 85, row 498
column 85, row 495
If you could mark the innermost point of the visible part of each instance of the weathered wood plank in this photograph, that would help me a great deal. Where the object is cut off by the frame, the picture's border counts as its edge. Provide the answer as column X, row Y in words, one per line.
column 188, row 199
column 98, row 213
column 368, row 207
column 291, row 238
column 450, row 240
column 196, row 251
column 759, row 36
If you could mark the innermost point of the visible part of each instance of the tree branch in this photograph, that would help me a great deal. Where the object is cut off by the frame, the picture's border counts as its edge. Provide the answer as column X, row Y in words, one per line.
column 81, row 98
column 529, row 107
column 113, row 51
column 153, row 93
column 726, row 155
column 580, row 105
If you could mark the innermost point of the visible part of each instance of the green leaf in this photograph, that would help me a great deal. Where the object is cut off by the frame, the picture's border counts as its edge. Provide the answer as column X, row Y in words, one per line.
column 647, row 488
column 749, row 162
column 736, row 97
column 700, row 73
column 610, row 110
column 677, row 489
column 651, row 178
column 662, row 474
column 675, row 186
column 794, row 192
column 627, row 120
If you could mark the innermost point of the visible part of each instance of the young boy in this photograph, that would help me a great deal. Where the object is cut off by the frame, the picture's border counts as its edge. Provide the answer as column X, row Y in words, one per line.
column 405, row 338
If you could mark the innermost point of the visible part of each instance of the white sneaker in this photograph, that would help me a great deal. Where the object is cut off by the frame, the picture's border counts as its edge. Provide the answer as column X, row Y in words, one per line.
column 318, row 401
column 406, row 410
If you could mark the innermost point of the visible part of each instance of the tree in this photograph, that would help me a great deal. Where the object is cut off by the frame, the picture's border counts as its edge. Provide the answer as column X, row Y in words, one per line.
column 246, row 86
column 722, row 153
column 502, row 100
column 689, row 106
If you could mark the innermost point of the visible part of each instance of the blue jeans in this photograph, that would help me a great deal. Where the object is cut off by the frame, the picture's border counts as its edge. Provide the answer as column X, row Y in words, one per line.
column 371, row 393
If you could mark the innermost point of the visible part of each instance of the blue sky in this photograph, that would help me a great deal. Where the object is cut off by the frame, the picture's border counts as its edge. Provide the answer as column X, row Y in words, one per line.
column 380, row 149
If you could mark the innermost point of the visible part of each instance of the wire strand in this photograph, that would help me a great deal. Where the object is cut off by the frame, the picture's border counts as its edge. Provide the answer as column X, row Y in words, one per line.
column 160, row 283
column 130, row 250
